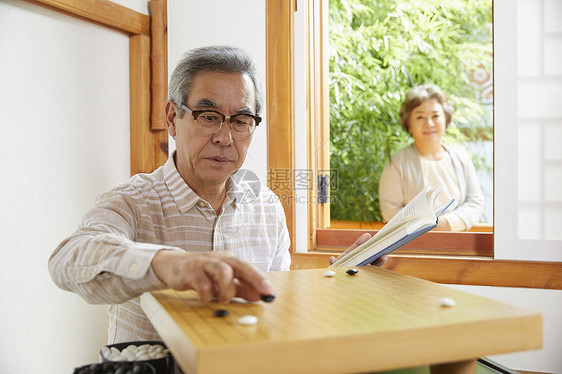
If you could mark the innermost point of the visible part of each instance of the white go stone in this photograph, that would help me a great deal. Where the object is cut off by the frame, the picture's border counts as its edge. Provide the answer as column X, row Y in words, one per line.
column 129, row 354
column 105, row 351
column 329, row 273
column 447, row 302
column 134, row 353
column 248, row 320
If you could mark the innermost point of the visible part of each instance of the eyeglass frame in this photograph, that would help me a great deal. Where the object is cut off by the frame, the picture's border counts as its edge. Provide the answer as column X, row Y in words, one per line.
column 224, row 117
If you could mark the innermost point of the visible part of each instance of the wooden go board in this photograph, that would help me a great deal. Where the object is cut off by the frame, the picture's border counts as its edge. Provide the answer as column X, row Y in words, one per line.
column 374, row 320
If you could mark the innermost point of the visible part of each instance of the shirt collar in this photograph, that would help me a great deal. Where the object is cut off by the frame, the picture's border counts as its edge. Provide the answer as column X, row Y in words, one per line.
column 185, row 197
column 242, row 189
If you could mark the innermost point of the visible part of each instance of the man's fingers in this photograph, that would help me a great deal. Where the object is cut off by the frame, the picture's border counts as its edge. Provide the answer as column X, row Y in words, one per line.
column 249, row 292
column 201, row 283
column 246, row 291
column 251, row 280
column 222, row 276
column 217, row 274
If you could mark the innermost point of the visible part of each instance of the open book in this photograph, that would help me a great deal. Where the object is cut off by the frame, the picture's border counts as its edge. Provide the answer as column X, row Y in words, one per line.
column 416, row 218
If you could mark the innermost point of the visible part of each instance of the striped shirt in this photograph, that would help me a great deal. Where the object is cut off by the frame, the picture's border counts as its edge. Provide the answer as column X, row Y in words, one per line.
column 107, row 260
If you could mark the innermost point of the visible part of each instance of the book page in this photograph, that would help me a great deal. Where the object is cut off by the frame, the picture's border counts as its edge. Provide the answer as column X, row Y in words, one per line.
column 415, row 216
column 420, row 205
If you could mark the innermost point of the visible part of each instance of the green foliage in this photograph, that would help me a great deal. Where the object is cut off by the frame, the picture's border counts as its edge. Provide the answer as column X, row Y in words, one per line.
column 378, row 51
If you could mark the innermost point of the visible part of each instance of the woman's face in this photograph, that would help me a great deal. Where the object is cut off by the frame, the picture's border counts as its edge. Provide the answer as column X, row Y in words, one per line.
column 427, row 122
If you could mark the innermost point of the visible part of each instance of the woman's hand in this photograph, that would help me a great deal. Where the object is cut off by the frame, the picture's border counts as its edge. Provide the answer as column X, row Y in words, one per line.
column 362, row 239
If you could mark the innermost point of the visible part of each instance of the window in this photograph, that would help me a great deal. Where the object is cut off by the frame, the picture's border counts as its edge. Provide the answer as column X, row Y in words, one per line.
column 326, row 234
column 377, row 52
column 532, row 267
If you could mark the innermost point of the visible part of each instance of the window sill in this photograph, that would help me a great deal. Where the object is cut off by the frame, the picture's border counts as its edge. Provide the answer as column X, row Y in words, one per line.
column 465, row 270
column 432, row 243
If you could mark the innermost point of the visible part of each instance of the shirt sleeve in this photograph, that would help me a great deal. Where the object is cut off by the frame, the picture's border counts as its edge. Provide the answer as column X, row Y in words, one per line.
column 101, row 261
column 455, row 222
column 390, row 192
column 470, row 210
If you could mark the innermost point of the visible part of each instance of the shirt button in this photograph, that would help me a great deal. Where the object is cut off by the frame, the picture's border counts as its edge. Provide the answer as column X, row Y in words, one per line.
column 202, row 204
column 133, row 267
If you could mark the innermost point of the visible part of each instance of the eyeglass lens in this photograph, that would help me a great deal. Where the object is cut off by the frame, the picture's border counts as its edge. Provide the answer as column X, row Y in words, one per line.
column 242, row 125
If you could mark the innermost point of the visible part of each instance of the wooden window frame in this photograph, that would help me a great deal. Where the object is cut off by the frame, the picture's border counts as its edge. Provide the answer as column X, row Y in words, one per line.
column 454, row 258
column 279, row 20
column 148, row 73
column 335, row 235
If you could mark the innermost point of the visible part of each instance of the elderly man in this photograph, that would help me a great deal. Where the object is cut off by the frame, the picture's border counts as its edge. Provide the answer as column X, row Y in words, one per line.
column 185, row 225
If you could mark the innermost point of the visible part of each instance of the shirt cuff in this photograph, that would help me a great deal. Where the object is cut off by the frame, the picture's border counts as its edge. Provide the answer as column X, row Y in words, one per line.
column 456, row 223
column 134, row 267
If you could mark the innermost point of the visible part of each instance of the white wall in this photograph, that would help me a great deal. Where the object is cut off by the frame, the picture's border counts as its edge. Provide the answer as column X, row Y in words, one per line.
column 301, row 194
column 528, row 161
column 64, row 115
column 549, row 304
column 528, row 127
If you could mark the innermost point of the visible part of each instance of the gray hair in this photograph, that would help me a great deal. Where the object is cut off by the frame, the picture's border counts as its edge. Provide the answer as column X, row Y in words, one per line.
column 419, row 94
column 224, row 59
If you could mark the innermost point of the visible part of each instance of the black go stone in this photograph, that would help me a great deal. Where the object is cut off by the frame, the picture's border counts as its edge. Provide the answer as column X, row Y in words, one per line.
column 115, row 368
column 352, row 271
column 221, row 313
column 267, row 298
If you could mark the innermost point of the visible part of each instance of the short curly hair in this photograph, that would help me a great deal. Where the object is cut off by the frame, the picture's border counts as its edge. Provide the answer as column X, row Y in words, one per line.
column 417, row 95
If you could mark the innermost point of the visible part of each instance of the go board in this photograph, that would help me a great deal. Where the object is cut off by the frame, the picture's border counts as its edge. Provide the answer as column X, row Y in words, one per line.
column 374, row 320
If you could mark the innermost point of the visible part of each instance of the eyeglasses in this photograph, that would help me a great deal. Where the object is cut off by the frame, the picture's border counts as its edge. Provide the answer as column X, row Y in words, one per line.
column 209, row 122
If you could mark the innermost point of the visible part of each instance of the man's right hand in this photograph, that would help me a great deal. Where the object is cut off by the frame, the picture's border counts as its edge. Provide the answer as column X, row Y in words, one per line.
column 215, row 274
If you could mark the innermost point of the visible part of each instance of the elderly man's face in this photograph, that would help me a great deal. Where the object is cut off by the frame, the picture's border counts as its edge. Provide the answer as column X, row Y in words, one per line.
column 206, row 161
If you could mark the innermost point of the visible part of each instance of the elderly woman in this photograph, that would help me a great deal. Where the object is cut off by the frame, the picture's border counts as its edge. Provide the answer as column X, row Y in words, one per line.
column 426, row 113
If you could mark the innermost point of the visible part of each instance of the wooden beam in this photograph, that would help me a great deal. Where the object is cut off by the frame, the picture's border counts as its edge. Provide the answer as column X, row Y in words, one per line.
column 280, row 105
column 159, row 61
column 373, row 225
column 311, row 119
column 318, row 119
column 160, row 151
column 159, row 81
column 435, row 242
column 459, row 270
column 103, row 12
column 142, row 146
